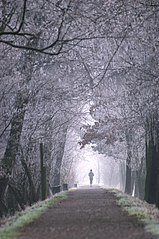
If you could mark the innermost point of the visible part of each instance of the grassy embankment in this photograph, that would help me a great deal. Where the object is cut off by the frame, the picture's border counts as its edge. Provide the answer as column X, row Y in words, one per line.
column 145, row 213
column 11, row 225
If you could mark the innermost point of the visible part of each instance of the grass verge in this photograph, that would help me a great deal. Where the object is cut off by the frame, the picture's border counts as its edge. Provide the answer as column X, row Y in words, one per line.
column 145, row 213
column 13, row 224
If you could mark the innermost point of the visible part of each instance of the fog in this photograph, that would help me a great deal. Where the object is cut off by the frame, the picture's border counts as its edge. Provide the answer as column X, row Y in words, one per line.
column 105, row 169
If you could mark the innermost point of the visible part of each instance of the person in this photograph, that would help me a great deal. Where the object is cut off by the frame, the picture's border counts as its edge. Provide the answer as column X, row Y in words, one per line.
column 91, row 175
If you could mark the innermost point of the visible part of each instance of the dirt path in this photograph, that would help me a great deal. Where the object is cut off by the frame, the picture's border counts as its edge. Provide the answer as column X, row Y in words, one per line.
column 86, row 214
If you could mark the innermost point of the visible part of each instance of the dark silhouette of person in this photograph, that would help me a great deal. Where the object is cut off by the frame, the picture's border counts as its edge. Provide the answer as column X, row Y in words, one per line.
column 91, row 175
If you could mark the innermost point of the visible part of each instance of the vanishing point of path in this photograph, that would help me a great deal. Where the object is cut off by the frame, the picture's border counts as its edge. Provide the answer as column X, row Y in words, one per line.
column 88, row 213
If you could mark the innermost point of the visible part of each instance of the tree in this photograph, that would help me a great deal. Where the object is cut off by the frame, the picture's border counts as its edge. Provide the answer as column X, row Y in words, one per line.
column 62, row 56
column 152, row 164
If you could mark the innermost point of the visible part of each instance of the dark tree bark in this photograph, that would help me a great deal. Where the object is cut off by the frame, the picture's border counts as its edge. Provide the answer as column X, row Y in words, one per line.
column 32, row 192
column 13, row 141
column 151, row 176
column 43, row 173
column 11, row 151
column 152, row 161
column 157, row 183
column 128, row 180
column 17, row 195
column 3, row 185
column 128, row 184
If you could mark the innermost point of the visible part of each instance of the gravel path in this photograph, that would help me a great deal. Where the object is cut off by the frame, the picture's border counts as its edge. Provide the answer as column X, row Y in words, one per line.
column 88, row 213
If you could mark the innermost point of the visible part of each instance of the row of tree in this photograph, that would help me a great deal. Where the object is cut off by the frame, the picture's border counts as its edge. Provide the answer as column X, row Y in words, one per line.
column 42, row 94
column 125, row 106
column 58, row 56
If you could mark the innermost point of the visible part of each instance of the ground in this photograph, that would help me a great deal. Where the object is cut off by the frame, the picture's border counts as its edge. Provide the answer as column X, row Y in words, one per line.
column 87, row 213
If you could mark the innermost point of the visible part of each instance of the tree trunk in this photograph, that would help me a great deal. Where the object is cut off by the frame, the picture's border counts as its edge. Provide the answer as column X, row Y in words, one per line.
column 43, row 173
column 59, row 155
column 11, row 150
column 13, row 141
column 122, row 170
column 32, row 192
column 137, row 189
column 151, row 173
column 128, row 180
column 128, row 184
column 17, row 195
column 157, row 183
column 3, row 186
column 141, row 175
column 152, row 161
